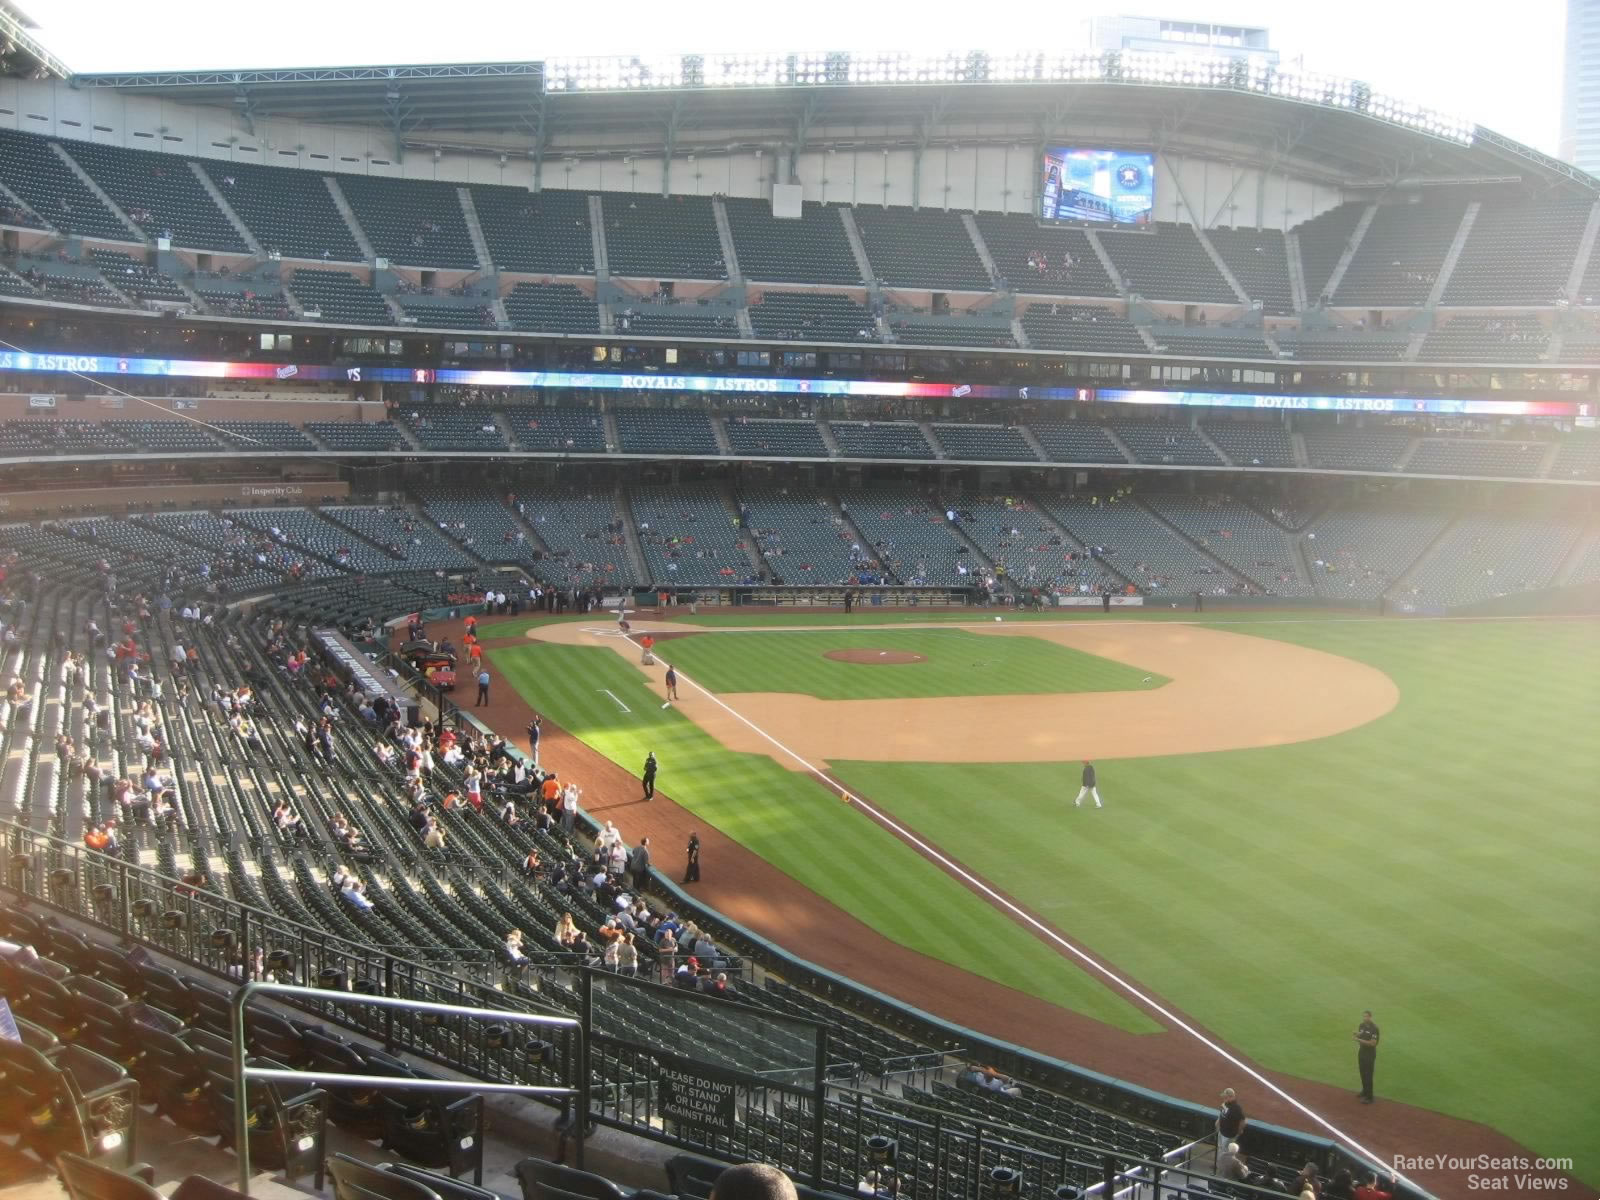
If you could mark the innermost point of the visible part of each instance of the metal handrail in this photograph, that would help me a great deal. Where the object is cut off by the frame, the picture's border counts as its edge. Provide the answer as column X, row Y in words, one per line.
column 242, row 1071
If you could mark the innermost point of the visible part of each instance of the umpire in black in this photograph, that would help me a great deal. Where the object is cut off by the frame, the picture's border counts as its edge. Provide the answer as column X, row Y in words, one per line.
column 1366, row 1036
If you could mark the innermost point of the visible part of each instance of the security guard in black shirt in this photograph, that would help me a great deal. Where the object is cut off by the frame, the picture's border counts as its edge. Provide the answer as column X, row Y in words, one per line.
column 1367, row 1054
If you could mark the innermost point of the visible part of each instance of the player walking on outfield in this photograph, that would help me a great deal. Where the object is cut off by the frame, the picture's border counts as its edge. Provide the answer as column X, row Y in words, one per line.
column 649, row 777
column 672, row 682
column 1088, row 788
column 1366, row 1055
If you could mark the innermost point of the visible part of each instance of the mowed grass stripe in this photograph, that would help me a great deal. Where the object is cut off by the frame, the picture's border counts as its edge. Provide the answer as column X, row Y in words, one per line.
column 958, row 663
column 1435, row 866
column 798, row 826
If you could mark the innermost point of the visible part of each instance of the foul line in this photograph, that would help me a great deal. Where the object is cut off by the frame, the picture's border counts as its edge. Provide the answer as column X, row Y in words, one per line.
column 1044, row 930
column 619, row 703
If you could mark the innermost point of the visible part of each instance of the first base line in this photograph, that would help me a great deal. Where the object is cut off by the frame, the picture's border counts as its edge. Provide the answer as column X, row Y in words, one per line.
column 612, row 694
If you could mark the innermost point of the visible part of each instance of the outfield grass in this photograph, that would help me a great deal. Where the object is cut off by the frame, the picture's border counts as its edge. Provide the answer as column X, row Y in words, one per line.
column 1437, row 866
column 958, row 663
column 798, row 826
column 736, row 618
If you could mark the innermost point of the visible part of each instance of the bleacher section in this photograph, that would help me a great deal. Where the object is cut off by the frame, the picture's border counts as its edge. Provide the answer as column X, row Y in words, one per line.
column 547, row 232
column 1356, row 449
column 994, row 443
column 548, row 428
column 263, row 435
column 1260, row 263
column 1248, row 542
column 440, row 313
column 311, row 533
column 552, row 308
column 32, row 170
column 1359, row 554
column 1139, row 547
column 1490, row 555
column 880, row 439
column 665, row 431
column 1401, row 254
column 240, row 549
column 1028, row 549
column 338, row 298
column 1323, row 241
column 71, row 282
column 1578, row 457
column 1251, row 443
column 908, row 533
column 582, row 530
column 813, row 249
column 1486, row 339
column 915, row 329
column 1166, row 262
column 452, row 427
column 133, row 278
column 923, row 248
column 1240, row 344
column 403, row 535
column 1477, row 456
column 760, row 438
column 1344, row 346
column 357, row 435
column 1081, row 329
column 689, row 536
column 661, row 237
column 1076, row 442
column 264, row 305
column 812, row 317
column 411, row 221
column 1518, row 253
column 681, row 320
column 1165, row 443
column 1041, row 260
column 290, row 212
column 481, row 523
column 159, row 193
column 801, row 538
column 169, row 436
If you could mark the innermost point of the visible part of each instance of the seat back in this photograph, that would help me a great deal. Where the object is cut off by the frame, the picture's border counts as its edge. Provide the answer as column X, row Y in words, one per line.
column 543, row 1180
column 443, row 1185
column 356, row 1180
column 691, row 1176
column 86, row 1179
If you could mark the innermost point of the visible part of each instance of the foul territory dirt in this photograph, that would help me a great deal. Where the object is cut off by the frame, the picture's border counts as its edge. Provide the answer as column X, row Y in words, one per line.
column 1207, row 668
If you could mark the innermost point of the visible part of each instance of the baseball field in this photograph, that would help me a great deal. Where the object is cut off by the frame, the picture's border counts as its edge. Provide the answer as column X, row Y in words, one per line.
column 1305, row 817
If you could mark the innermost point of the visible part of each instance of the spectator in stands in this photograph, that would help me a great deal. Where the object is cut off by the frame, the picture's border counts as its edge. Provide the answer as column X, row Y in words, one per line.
column 753, row 1181
column 354, row 893
column 667, row 951
column 286, row 820
column 627, row 955
column 639, row 864
column 433, row 836
column 566, row 930
column 514, row 950
column 1231, row 1121
column 1340, row 1187
column 1231, row 1165
column 1374, row 1190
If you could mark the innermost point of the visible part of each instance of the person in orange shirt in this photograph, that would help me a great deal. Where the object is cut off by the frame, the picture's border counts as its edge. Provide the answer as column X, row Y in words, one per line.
column 550, row 792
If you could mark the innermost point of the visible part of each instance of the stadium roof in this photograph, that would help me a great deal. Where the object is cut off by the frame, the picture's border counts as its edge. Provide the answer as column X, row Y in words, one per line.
column 1336, row 130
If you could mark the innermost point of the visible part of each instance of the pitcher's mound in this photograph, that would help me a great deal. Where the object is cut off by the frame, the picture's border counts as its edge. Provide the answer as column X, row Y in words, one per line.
column 882, row 658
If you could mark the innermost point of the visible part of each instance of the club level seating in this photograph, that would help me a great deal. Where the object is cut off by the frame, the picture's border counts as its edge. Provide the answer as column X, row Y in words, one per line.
column 1323, row 240
column 411, row 221
column 72, row 283
column 264, row 435
column 438, row 313
column 800, row 537
column 1140, row 548
column 923, row 248
column 662, row 237
column 812, row 317
column 481, row 523
column 1216, row 345
column 1166, row 262
column 31, row 168
column 268, row 304
column 1042, row 260
column 552, row 308
column 1401, row 254
column 289, row 212
column 1076, row 442
column 1081, row 329
column 540, row 232
column 339, row 298
column 452, row 427
column 1166, row 443
column 1577, row 458
column 550, row 428
column 357, row 435
column 688, row 535
column 1489, row 555
column 992, row 443
column 1477, row 456
column 46, row 435
column 908, row 534
column 1252, row 545
column 665, row 431
column 1581, row 346
column 880, row 439
column 134, row 278
column 170, row 436
column 403, row 535
column 1486, row 339
column 1260, row 262
column 1331, row 346
column 1359, row 554
column 916, row 329
column 159, row 193
column 584, row 532
column 757, row 437
column 1252, row 444
column 813, row 249
column 12, row 284
column 1517, row 253
column 1356, row 449
column 682, row 320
